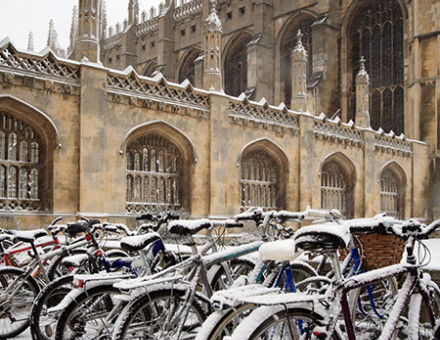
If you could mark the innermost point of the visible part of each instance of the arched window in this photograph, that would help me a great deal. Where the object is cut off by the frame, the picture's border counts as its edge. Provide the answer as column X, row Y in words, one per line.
column 187, row 69
column 235, row 69
column 376, row 32
column 392, row 193
column 287, row 44
column 20, row 161
column 259, row 183
column 336, row 189
column 150, row 69
column 151, row 185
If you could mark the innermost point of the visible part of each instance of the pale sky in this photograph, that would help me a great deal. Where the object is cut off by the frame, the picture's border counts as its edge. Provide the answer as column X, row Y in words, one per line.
column 19, row 17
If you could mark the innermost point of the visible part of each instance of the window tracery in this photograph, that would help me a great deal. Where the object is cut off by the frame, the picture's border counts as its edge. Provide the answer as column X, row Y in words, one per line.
column 391, row 194
column 259, row 183
column 336, row 189
column 377, row 33
column 152, row 182
column 236, row 68
column 187, row 70
column 20, row 162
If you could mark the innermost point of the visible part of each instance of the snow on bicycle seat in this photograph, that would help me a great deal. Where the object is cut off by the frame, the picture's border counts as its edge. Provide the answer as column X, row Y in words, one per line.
column 323, row 236
column 138, row 242
column 188, row 227
column 281, row 250
column 4, row 237
column 30, row 235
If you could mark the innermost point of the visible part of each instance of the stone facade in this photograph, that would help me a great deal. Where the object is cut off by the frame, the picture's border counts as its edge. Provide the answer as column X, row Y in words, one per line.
column 114, row 142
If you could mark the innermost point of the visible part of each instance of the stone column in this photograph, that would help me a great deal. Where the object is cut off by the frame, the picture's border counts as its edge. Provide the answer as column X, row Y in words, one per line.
column 166, row 60
column 133, row 12
column 87, row 45
column 362, row 96
column 212, row 75
column 299, row 76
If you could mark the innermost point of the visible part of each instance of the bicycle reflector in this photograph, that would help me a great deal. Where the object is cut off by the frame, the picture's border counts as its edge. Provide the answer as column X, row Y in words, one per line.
column 78, row 283
column 319, row 335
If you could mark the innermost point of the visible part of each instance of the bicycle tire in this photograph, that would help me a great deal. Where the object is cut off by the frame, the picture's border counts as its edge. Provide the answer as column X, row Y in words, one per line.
column 238, row 267
column 33, row 289
column 73, row 320
column 141, row 310
column 48, row 297
column 418, row 321
column 267, row 319
column 218, row 323
column 56, row 269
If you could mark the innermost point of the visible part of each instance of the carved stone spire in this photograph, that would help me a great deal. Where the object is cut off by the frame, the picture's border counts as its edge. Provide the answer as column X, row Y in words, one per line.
column 212, row 76
column 362, row 96
column 299, row 75
column 102, row 20
column 30, row 46
column 73, row 29
column 87, row 43
column 133, row 12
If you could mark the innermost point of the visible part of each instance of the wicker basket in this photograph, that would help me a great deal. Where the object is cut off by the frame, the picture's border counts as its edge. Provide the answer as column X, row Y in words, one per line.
column 380, row 250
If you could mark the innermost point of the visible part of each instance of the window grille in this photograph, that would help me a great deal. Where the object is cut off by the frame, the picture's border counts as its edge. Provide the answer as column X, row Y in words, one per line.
column 259, row 184
column 391, row 197
column 377, row 34
column 20, row 165
column 336, row 192
column 287, row 45
column 153, row 180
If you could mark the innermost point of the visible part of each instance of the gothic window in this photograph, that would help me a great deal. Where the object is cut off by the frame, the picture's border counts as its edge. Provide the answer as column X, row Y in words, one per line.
column 288, row 42
column 236, row 69
column 377, row 33
column 187, row 70
column 153, row 186
column 20, row 159
column 391, row 194
column 259, row 183
column 336, row 189
column 151, row 68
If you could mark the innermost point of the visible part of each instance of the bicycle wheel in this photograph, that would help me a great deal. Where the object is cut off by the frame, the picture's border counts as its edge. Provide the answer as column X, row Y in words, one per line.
column 160, row 314
column 42, row 324
column 58, row 269
column 238, row 267
column 371, row 305
column 86, row 316
column 222, row 323
column 17, row 294
column 278, row 323
column 419, row 325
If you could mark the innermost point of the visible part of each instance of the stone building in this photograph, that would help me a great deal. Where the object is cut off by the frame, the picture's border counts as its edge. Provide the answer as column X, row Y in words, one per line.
column 212, row 107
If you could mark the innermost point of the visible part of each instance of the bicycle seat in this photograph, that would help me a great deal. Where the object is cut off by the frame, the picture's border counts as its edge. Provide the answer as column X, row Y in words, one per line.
column 139, row 242
column 281, row 250
column 188, row 227
column 4, row 237
column 76, row 228
column 326, row 236
column 29, row 235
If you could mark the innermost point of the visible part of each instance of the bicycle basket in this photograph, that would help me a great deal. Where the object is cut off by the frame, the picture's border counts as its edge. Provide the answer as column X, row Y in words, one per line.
column 380, row 250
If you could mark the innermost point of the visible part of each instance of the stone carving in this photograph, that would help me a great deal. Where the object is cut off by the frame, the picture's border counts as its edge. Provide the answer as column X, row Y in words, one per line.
column 156, row 91
column 7, row 79
column 187, row 9
column 263, row 116
column 335, row 131
column 393, row 144
column 12, row 61
column 147, row 26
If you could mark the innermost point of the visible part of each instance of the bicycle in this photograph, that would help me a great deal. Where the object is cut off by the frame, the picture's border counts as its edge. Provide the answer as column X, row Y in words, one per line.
column 318, row 314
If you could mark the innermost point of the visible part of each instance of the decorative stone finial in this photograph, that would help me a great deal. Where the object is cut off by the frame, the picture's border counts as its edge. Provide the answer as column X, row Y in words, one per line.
column 212, row 22
column 362, row 96
column 299, row 75
column 30, row 46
